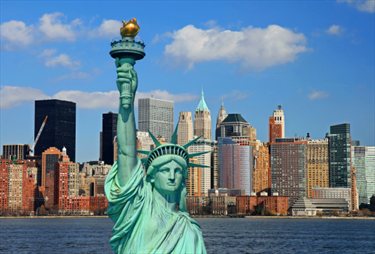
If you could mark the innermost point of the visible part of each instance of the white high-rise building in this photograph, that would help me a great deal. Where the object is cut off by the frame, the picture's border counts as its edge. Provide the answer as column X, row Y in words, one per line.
column 278, row 114
column 185, row 128
column 202, row 145
column 157, row 116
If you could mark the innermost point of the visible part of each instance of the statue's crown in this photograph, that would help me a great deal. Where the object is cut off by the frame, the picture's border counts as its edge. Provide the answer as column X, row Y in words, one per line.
column 171, row 149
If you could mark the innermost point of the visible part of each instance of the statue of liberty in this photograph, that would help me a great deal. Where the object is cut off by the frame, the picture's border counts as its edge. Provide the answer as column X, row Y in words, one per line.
column 144, row 200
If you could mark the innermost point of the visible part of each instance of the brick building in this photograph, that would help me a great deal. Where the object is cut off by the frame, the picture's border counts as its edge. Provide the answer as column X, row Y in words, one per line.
column 247, row 204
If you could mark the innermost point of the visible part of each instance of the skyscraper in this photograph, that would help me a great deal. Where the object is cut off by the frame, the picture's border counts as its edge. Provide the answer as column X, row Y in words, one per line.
column 60, row 128
column 233, row 125
column 278, row 115
column 339, row 156
column 109, row 125
column 234, row 162
column 317, row 167
column 274, row 130
column 185, row 128
column 220, row 118
column 363, row 159
column 157, row 116
column 49, row 158
column 202, row 120
column 288, row 163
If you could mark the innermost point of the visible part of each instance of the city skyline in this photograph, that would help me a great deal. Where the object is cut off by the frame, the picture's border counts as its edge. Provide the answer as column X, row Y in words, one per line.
column 326, row 78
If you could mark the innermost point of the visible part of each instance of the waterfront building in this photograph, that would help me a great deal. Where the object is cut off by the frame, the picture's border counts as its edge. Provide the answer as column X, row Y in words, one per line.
column 109, row 130
column 220, row 118
column 185, row 128
column 235, row 164
column 330, row 192
column 363, row 159
column 317, row 166
column 49, row 158
column 247, row 204
column 233, row 125
column 261, row 167
column 214, row 166
column 288, row 164
column 202, row 145
column 66, row 180
column 193, row 182
column 228, row 192
column 339, row 153
column 60, row 128
column 156, row 116
column 50, row 190
column 18, row 150
column 309, row 206
column 202, row 120
column 4, row 182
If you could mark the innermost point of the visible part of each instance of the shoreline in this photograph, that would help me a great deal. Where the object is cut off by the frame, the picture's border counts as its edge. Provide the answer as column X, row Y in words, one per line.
column 199, row 217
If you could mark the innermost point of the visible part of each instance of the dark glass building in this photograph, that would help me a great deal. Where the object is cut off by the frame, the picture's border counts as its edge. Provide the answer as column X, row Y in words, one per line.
column 339, row 156
column 60, row 128
column 108, row 134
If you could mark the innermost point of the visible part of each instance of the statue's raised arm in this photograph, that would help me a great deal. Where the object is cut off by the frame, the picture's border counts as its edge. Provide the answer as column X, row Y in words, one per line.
column 127, row 83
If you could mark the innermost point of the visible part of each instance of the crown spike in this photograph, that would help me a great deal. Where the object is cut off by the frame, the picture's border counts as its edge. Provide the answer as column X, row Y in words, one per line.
column 191, row 155
column 191, row 142
column 194, row 165
column 174, row 137
column 156, row 142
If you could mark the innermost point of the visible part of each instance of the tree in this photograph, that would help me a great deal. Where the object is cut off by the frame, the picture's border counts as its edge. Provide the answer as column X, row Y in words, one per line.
column 335, row 212
column 365, row 212
column 284, row 212
column 345, row 213
column 319, row 213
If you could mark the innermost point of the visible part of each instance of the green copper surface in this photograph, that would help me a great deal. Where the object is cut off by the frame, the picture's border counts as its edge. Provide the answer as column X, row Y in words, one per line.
column 143, row 204
column 202, row 104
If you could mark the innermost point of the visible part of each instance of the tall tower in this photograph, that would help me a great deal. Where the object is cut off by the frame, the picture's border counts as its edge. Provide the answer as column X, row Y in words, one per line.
column 109, row 128
column 202, row 120
column 156, row 116
column 185, row 128
column 278, row 115
column 339, row 156
column 220, row 118
column 60, row 128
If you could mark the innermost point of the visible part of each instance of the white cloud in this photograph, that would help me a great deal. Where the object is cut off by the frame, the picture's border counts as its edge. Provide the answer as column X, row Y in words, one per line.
column 362, row 5
column 335, row 30
column 79, row 75
column 236, row 95
column 318, row 95
column 108, row 29
column 255, row 48
column 47, row 53
column 13, row 96
column 16, row 35
column 63, row 60
column 53, row 28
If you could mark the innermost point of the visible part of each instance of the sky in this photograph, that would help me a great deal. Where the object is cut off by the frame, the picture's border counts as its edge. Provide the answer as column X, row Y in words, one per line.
column 315, row 58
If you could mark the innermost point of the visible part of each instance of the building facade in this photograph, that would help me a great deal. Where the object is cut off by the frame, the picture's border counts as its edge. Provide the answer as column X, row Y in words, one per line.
column 317, row 166
column 261, row 168
column 203, row 145
column 202, row 120
column 247, row 204
column 18, row 150
column 185, row 128
column 109, row 130
column 234, row 163
column 288, row 163
column 274, row 130
column 49, row 158
column 329, row 192
column 60, row 128
column 157, row 116
column 339, row 156
column 278, row 115
column 193, row 182
column 363, row 160
column 214, row 167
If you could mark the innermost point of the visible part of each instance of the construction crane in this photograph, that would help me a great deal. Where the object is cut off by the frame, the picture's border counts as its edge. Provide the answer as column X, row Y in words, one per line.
column 37, row 137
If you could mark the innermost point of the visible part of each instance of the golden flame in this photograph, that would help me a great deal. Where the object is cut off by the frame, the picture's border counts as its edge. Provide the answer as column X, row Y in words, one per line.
column 129, row 29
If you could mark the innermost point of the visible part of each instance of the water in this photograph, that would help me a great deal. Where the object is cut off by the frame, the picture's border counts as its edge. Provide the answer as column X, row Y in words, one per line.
column 221, row 235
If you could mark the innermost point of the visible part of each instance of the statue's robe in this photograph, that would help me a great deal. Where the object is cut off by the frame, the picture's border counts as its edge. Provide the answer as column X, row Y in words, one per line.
column 142, row 224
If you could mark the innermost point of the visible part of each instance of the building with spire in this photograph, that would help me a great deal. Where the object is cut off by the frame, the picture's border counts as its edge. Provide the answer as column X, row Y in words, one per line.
column 220, row 118
column 202, row 120
column 278, row 115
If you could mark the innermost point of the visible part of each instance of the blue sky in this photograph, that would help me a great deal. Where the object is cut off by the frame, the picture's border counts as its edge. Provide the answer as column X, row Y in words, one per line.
column 316, row 58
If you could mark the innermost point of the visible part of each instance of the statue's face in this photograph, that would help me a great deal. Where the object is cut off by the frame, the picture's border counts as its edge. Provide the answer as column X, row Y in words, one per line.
column 168, row 176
